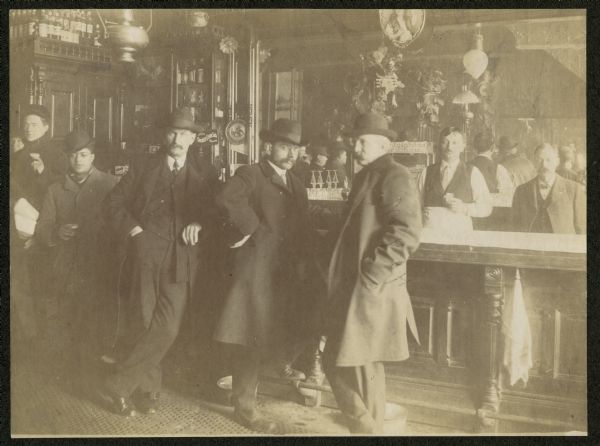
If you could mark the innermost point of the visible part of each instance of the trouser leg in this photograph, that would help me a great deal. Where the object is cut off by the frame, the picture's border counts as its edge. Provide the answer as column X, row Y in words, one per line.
column 359, row 392
column 245, row 371
column 141, row 367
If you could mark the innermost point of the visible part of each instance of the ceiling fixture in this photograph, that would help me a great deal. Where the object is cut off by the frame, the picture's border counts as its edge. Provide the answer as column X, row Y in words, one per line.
column 124, row 36
column 198, row 19
column 475, row 60
column 465, row 98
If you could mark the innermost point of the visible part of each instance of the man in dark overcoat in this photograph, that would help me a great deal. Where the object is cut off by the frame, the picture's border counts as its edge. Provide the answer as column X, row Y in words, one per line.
column 266, row 312
column 368, row 304
column 549, row 203
column 71, row 222
column 162, row 210
column 32, row 169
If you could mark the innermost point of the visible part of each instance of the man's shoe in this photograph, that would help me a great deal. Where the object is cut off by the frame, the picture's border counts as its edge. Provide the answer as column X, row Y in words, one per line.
column 118, row 405
column 147, row 402
column 287, row 372
column 259, row 424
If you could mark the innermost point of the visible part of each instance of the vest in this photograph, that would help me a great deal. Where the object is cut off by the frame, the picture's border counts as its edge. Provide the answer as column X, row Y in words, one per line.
column 162, row 215
column 460, row 185
column 488, row 169
column 541, row 221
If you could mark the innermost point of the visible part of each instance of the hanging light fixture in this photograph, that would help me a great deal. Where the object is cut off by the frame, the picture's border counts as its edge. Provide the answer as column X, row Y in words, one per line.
column 465, row 98
column 475, row 60
column 124, row 36
column 198, row 19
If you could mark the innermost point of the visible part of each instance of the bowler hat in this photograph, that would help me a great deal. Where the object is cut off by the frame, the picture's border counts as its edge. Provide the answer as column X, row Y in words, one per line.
column 38, row 110
column 182, row 118
column 284, row 130
column 505, row 144
column 372, row 124
column 77, row 140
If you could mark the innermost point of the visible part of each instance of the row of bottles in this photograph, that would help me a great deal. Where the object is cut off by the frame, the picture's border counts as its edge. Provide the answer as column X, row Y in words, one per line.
column 190, row 71
column 66, row 25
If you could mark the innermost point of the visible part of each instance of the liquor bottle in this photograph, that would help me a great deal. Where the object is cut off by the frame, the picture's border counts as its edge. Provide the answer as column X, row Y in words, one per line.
column 90, row 27
column 184, row 75
column 97, row 35
column 43, row 25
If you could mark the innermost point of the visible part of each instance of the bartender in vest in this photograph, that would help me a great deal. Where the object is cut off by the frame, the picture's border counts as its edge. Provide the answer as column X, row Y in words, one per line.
column 498, row 181
column 451, row 191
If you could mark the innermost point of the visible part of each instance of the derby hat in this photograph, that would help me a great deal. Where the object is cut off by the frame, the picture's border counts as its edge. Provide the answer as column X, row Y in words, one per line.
column 182, row 118
column 505, row 144
column 38, row 110
column 77, row 140
column 284, row 130
column 372, row 124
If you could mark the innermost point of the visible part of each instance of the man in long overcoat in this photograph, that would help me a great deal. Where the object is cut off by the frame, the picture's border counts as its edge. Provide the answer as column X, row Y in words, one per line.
column 267, row 312
column 162, row 209
column 71, row 222
column 369, row 306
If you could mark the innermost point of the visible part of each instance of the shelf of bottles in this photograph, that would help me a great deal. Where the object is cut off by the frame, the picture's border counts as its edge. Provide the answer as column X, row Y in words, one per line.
column 193, row 86
column 70, row 33
column 325, row 185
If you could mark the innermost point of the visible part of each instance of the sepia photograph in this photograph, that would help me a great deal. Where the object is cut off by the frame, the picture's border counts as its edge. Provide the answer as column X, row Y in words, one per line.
column 297, row 222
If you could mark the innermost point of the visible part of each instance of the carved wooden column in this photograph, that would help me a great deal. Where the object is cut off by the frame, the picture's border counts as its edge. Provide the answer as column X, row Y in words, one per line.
column 491, row 307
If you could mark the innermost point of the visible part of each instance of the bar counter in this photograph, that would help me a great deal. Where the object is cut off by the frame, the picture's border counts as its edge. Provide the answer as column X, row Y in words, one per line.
column 463, row 289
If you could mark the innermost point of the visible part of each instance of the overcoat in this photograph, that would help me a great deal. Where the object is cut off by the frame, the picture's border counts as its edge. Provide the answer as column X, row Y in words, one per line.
column 267, row 303
column 127, row 206
column 368, row 303
column 566, row 210
column 81, row 267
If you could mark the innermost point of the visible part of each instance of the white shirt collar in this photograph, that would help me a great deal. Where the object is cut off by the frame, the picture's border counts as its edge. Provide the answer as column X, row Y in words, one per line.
column 180, row 161
column 279, row 170
column 550, row 183
column 488, row 155
column 451, row 165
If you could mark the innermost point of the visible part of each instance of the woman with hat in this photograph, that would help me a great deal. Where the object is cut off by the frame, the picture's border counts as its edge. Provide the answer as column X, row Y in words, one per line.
column 71, row 223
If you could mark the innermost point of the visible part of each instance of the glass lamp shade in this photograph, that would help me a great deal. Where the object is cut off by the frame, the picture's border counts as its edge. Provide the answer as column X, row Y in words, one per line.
column 465, row 97
column 475, row 61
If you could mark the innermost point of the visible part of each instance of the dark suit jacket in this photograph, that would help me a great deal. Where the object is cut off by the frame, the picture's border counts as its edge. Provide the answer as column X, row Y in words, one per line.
column 128, row 203
column 567, row 209
column 266, row 301
column 369, row 305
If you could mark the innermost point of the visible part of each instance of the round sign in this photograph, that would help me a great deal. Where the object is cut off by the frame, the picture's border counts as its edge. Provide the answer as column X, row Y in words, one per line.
column 235, row 132
column 402, row 26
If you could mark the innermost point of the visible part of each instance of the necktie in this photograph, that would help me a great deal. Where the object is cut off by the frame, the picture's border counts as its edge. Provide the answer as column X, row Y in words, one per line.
column 445, row 176
column 284, row 178
column 175, row 169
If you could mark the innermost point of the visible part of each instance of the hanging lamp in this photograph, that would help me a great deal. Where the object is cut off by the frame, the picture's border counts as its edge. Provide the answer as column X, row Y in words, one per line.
column 475, row 60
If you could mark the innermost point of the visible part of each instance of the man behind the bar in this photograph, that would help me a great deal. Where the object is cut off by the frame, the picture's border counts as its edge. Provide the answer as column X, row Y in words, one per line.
column 549, row 203
column 496, row 176
column 453, row 184
column 268, row 313
column 162, row 210
column 71, row 222
column 368, row 305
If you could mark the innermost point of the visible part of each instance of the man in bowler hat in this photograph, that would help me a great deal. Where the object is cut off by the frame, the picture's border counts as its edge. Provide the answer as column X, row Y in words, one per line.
column 267, row 311
column 71, row 223
column 368, row 305
column 162, row 210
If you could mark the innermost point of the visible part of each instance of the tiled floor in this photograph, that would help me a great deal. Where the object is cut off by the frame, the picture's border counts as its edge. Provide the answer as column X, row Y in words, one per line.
column 43, row 406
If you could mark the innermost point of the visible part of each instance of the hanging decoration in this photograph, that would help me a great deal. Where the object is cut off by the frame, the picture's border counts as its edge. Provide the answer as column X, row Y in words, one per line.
column 431, row 84
column 124, row 36
column 401, row 27
column 228, row 45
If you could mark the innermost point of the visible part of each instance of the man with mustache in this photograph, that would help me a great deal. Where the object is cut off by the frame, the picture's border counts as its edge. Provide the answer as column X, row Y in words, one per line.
column 162, row 210
column 549, row 203
column 454, row 185
column 268, row 312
